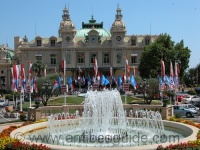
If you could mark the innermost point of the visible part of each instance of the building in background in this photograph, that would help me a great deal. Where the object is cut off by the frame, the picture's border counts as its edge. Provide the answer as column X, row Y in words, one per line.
column 6, row 59
column 80, row 47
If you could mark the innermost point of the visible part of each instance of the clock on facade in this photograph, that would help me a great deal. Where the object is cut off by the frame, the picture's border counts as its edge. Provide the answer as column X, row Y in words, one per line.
column 118, row 38
column 93, row 39
column 68, row 38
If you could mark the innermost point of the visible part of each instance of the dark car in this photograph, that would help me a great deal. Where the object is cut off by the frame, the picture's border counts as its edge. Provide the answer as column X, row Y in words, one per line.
column 195, row 103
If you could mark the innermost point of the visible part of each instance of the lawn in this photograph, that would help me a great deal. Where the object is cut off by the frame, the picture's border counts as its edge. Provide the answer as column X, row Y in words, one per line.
column 79, row 100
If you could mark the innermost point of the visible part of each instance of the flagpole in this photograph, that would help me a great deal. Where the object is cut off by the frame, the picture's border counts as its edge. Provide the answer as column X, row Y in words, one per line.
column 64, row 80
column 29, row 83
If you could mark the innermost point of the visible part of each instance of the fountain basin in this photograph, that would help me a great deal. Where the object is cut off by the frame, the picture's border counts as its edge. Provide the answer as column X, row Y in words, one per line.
column 188, row 130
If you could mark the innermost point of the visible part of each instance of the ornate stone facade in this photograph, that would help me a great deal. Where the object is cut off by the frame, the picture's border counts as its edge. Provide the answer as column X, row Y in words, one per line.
column 6, row 57
column 80, row 47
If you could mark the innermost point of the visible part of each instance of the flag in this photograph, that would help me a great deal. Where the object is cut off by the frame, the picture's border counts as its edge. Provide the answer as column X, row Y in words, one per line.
column 172, row 76
column 95, row 67
column 55, row 85
column 114, row 80
column 104, row 81
column 111, row 70
column 83, row 80
column 89, row 81
column 119, row 81
column 13, row 80
column 69, row 81
column 133, row 82
column 30, row 71
column 23, row 80
column 98, row 76
column 127, row 66
column 59, row 81
column 64, row 66
column 123, row 77
column 45, row 72
column 161, row 83
column 162, row 68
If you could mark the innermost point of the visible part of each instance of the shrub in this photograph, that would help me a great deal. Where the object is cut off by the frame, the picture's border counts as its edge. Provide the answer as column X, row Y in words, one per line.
column 22, row 117
column 5, row 140
column 25, row 146
column 192, row 92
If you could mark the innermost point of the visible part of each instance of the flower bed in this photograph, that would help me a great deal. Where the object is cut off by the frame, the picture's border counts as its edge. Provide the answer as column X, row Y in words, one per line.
column 190, row 145
column 7, row 143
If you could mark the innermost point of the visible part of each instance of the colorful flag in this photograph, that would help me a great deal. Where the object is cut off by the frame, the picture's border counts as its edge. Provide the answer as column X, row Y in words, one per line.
column 133, row 82
column 104, row 81
column 127, row 66
column 162, row 68
column 98, row 76
column 30, row 71
column 119, row 81
column 95, row 67
column 55, row 85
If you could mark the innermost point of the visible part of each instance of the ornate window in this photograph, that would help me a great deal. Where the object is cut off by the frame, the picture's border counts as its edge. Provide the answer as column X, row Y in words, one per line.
column 147, row 40
column 80, row 57
column 39, row 42
column 106, row 58
column 53, row 59
column 92, row 57
column 133, row 40
column 53, row 42
column 119, row 57
column 68, row 58
column 133, row 58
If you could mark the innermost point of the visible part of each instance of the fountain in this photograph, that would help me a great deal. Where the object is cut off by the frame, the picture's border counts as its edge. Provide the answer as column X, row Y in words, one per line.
column 104, row 123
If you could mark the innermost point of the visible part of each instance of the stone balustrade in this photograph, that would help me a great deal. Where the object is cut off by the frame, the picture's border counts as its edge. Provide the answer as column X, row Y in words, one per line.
column 44, row 112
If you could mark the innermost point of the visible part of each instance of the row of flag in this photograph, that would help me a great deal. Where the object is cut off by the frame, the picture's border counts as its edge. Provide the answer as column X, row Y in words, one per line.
column 171, row 80
column 20, row 80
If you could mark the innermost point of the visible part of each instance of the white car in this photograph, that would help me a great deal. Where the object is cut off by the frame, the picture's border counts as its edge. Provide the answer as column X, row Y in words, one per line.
column 188, row 98
column 2, row 103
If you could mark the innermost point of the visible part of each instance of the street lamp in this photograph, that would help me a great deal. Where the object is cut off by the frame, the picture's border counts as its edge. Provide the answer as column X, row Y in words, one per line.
column 46, row 91
column 144, row 85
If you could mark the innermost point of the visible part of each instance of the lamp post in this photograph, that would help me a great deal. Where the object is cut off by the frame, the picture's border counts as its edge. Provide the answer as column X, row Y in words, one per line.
column 46, row 91
column 144, row 85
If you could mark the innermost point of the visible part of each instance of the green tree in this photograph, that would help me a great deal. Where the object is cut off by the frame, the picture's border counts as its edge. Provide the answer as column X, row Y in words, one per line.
column 164, row 48
column 50, row 79
column 38, row 66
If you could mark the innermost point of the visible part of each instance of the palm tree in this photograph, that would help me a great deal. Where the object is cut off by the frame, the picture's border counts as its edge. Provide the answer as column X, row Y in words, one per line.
column 38, row 66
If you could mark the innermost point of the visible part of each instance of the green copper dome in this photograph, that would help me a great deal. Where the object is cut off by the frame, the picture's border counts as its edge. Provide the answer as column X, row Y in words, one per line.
column 92, row 25
column 84, row 32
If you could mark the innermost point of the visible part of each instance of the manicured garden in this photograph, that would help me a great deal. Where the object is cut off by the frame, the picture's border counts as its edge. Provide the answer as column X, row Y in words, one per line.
column 6, row 143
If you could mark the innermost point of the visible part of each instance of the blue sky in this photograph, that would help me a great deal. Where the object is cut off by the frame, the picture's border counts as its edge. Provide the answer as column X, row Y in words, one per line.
column 178, row 18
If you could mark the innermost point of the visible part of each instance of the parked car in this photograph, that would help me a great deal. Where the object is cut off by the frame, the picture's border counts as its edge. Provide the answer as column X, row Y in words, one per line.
column 183, row 111
column 3, row 103
column 188, row 98
column 180, row 97
column 196, row 103
column 190, row 106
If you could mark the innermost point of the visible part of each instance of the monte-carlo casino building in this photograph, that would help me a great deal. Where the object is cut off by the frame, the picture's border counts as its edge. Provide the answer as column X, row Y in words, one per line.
column 80, row 47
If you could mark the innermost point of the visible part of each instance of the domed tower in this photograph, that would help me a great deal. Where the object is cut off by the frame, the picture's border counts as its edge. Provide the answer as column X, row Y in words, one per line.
column 118, row 29
column 67, row 30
